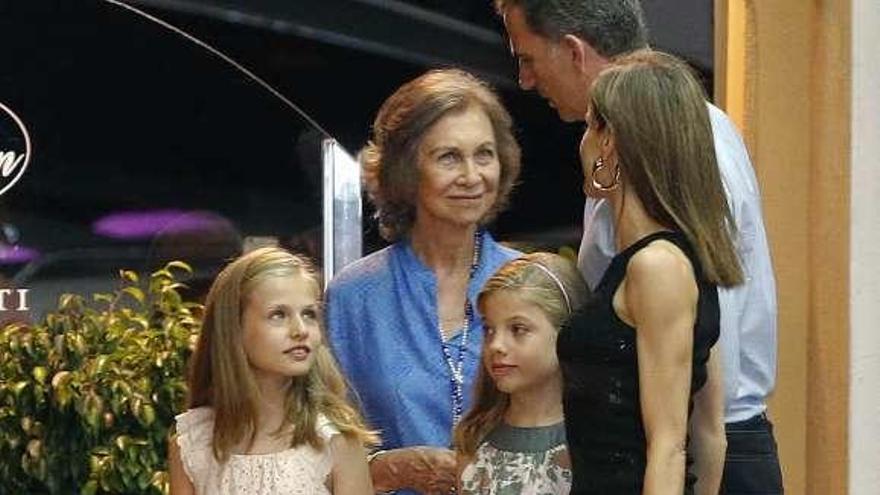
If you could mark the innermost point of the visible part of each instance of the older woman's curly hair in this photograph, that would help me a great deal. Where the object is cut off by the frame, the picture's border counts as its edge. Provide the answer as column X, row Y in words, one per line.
column 390, row 159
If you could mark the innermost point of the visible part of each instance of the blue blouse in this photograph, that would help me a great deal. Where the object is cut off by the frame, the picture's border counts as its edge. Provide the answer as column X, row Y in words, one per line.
column 382, row 325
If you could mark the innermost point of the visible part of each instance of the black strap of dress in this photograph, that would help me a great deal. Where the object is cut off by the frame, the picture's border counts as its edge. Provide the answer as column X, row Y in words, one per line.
column 617, row 270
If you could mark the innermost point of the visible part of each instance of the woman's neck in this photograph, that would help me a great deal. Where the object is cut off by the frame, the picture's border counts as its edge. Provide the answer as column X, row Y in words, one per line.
column 445, row 250
column 631, row 220
column 539, row 406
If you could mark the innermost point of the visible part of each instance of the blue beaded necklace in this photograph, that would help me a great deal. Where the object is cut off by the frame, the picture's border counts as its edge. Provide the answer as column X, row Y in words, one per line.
column 456, row 366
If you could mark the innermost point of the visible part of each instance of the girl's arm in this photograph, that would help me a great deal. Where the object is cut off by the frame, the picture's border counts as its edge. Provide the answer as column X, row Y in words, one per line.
column 179, row 480
column 708, row 439
column 351, row 474
column 660, row 296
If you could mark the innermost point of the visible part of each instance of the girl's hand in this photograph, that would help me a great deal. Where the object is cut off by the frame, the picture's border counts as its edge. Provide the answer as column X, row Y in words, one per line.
column 429, row 470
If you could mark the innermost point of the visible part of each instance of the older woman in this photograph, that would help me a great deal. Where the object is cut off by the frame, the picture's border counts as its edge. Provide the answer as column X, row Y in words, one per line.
column 638, row 358
column 441, row 164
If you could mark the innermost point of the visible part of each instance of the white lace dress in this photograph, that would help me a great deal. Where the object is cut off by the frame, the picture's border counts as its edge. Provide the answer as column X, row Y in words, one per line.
column 302, row 470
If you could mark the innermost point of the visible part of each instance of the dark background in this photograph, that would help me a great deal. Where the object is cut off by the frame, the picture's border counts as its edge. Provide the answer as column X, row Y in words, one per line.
column 127, row 115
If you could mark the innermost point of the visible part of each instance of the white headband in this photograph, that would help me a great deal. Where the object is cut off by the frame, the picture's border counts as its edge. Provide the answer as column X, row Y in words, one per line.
column 558, row 283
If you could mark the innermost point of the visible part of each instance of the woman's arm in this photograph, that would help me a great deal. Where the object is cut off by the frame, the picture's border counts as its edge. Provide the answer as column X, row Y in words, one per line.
column 660, row 296
column 708, row 439
column 428, row 470
column 351, row 474
column 179, row 480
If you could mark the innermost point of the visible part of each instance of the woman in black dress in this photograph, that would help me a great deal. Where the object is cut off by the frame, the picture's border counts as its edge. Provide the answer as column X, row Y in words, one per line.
column 643, row 401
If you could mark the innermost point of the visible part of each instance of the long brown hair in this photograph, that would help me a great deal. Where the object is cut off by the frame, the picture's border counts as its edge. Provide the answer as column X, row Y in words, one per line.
column 528, row 276
column 657, row 112
column 221, row 377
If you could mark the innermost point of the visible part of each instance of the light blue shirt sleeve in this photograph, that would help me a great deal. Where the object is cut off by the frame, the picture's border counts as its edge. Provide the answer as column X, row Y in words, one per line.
column 748, row 311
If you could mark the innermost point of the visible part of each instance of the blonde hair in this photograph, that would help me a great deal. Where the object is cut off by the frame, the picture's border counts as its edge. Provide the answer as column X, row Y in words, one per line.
column 390, row 159
column 657, row 112
column 557, row 293
column 221, row 377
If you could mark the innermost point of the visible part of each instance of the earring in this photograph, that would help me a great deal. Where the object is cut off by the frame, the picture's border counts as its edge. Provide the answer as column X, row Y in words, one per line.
column 598, row 166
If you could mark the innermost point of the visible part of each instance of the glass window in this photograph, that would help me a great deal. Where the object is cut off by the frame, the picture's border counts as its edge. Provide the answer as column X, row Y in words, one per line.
column 146, row 147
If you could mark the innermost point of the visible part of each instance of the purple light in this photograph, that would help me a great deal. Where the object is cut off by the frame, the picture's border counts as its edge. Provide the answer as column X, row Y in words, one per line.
column 13, row 255
column 132, row 225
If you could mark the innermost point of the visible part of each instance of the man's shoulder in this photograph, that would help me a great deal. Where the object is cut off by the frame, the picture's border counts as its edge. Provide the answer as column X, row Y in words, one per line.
column 724, row 131
column 732, row 155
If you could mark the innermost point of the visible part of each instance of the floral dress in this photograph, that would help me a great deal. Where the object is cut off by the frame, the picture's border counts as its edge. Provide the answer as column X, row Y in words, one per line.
column 520, row 461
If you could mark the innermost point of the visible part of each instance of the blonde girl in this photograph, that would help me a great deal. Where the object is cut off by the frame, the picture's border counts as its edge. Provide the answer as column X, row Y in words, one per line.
column 513, row 438
column 267, row 409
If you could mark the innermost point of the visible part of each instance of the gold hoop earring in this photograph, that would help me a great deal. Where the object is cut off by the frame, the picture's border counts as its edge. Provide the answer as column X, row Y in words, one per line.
column 598, row 166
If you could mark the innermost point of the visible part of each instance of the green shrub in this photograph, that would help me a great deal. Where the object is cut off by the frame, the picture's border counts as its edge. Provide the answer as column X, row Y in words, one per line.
column 87, row 396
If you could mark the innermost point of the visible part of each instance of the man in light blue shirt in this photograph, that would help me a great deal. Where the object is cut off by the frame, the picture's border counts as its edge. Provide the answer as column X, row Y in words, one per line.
column 561, row 45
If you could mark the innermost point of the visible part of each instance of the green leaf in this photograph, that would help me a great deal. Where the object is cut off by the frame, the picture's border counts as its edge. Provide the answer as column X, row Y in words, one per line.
column 129, row 275
column 179, row 264
column 18, row 388
column 90, row 372
column 90, row 488
column 173, row 298
column 174, row 286
column 160, row 481
column 100, row 362
column 147, row 415
column 40, row 373
column 121, row 442
column 61, row 379
column 35, row 449
column 94, row 410
column 143, row 480
column 135, row 293
column 161, row 274
column 65, row 301
column 102, row 451
column 107, row 298
column 140, row 320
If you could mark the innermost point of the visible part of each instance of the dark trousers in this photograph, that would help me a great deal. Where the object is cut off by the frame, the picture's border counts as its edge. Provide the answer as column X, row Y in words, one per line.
column 752, row 462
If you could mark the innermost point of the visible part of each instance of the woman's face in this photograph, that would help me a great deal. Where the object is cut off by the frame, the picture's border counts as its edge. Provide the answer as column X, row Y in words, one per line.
column 459, row 169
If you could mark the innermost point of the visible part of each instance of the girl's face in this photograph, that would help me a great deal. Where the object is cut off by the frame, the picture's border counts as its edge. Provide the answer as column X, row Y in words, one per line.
column 281, row 327
column 519, row 350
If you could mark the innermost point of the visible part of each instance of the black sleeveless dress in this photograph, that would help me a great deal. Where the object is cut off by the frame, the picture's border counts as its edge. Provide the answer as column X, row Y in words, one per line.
column 597, row 354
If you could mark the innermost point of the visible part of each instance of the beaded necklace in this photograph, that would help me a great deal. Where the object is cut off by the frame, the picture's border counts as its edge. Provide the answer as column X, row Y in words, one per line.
column 456, row 367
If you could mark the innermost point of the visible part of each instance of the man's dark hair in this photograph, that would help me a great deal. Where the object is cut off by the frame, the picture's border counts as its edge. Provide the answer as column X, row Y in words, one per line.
column 611, row 27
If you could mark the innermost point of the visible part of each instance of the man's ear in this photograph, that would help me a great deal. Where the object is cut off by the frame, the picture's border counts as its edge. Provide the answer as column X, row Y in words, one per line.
column 574, row 49
column 582, row 54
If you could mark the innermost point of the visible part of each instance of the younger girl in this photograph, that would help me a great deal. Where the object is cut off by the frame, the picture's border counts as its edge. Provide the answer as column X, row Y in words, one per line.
column 267, row 410
column 513, row 438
